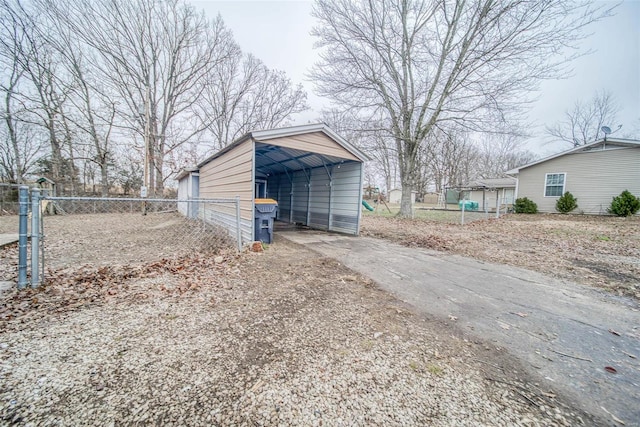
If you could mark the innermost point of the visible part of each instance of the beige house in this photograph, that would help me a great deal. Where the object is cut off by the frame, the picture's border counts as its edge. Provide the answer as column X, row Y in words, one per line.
column 313, row 173
column 594, row 173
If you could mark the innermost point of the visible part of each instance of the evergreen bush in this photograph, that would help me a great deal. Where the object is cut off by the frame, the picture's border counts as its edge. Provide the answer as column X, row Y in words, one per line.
column 625, row 204
column 566, row 203
column 525, row 205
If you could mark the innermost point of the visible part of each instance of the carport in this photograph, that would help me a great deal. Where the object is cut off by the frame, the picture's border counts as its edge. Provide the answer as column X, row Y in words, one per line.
column 313, row 173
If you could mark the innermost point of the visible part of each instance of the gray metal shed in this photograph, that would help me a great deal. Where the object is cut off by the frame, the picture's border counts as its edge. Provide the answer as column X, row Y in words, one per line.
column 314, row 174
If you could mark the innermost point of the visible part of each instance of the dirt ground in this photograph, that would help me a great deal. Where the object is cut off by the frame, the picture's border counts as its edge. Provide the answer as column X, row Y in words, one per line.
column 598, row 251
column 283, row 337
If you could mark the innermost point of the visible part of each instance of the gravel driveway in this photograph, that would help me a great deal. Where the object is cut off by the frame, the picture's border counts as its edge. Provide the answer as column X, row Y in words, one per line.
column 284, row 337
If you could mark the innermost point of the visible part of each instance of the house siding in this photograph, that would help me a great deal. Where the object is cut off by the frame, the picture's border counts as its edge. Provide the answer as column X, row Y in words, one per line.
column 228, row 176
column 593, row 177
column 315, row 142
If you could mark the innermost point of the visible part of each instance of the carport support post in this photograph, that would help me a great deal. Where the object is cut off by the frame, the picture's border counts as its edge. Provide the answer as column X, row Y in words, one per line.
column 462, row 216
column 308, row 199
column 23, row 201
column 35, row 237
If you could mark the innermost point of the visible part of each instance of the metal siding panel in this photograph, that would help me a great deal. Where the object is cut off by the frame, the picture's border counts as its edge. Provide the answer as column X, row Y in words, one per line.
column 346, row 198
column 300, row 197
column 284, row 200
column 228, row 176
column 319, row 199
column 316, row 142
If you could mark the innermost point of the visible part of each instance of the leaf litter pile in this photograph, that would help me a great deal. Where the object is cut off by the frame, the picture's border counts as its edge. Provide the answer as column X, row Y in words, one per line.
column 598, row 251
column 283, row 337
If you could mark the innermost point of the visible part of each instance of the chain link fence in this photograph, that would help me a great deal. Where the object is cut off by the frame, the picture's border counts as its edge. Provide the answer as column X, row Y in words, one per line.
column 103, row 231
column 57, row 233
column 9, row 199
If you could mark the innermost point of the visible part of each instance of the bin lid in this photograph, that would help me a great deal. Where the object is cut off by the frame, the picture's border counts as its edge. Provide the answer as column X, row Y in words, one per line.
column 266, row 202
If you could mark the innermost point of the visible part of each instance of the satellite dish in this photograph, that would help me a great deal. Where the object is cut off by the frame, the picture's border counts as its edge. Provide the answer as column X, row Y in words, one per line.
column 606, row 130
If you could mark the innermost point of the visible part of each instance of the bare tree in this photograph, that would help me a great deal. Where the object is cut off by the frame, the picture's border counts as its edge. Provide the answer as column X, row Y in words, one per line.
column 370, row 136
column 450, row 157
column 12, row 159
column 499, row 153
column 48, row 87
column 242, row 94
column 156, row 56
column 95, row 107
column 583, row 123
column 424, row 62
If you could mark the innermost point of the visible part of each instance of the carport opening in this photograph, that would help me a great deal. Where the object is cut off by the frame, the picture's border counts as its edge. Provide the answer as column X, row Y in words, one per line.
column 312, row 189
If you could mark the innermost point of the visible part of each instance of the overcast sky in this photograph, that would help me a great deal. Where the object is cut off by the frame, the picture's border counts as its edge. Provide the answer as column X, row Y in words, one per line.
column 277, row 32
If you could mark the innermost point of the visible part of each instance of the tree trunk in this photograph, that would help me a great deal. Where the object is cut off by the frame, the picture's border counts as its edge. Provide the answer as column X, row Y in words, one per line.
column 104, row 176
column 13, row 138
column 56, row 153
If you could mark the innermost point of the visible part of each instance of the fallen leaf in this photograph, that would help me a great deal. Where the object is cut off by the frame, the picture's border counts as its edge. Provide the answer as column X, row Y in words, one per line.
column 610, row 369
column 452, row 317
column 614, row 332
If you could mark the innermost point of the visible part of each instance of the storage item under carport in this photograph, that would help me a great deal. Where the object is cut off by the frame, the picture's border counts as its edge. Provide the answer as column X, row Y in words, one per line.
column 266, row 210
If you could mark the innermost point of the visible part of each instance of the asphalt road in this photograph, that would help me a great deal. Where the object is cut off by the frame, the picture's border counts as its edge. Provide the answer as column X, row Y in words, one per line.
column 564, row 333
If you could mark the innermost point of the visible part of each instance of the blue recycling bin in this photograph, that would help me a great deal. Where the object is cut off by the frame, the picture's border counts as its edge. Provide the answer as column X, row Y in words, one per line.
column 265, row 213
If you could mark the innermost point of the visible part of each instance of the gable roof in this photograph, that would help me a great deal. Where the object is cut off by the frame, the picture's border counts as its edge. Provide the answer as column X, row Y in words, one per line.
column 267, row 134
column 599, row 145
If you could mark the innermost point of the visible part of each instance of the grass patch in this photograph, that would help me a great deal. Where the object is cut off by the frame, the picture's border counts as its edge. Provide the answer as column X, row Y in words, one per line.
column 435, row 370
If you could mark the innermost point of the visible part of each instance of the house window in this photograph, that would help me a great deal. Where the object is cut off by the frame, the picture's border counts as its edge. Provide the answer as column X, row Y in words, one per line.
column 554, row 186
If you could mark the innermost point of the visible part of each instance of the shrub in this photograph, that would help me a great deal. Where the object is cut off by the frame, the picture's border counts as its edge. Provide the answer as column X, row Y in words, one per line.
column 566, row 203
column 625, row 204
column 525, row 205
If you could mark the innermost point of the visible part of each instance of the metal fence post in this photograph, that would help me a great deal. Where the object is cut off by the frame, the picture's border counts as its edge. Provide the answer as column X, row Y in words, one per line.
column 35, row 237
column 238, row 224
column 23, row 200
column 462, row 216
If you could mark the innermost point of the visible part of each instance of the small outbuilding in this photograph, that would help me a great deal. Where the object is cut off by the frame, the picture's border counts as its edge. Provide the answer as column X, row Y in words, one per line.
column 395, row 196
column 314, row 175
column 188, row 189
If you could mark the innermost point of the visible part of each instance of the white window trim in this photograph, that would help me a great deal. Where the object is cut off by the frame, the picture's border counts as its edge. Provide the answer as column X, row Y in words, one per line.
column 544, row 187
